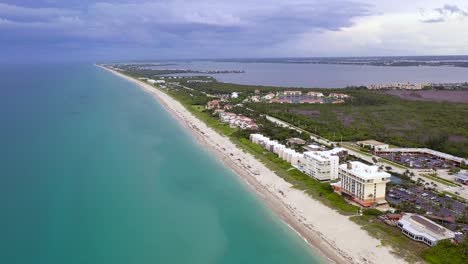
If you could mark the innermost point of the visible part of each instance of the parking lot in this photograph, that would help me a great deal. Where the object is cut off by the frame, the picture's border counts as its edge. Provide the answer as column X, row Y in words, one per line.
column 417, row 161
column 428, row 201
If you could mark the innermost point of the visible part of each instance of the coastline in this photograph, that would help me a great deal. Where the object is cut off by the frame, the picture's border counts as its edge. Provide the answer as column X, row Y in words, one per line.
column 333, row 236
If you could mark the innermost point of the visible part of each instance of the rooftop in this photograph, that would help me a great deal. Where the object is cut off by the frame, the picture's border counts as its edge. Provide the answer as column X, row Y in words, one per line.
column 296, row 141
column 417, row 224
column 462, row 176
column 323, row 155
column 371, row 142
column 363, row 171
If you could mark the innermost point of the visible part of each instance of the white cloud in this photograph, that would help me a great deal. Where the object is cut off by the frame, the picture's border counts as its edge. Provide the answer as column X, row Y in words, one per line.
column 247, row 27
column 386, row 34
column 34, row 13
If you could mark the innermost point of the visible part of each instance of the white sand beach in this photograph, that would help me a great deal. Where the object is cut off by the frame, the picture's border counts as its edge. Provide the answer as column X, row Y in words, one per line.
column 329, row 233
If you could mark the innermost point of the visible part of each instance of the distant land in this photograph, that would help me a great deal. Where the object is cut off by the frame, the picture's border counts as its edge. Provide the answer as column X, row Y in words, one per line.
column 319, row 72
column 456, row 61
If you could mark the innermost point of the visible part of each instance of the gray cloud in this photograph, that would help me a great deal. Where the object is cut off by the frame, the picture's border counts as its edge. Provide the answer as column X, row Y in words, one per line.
column 442, row 14
column 199, row 26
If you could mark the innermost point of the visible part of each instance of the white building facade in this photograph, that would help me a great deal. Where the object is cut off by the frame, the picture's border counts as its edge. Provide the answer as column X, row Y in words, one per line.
column 365, row 184
column 423, row 230
column 322, row 165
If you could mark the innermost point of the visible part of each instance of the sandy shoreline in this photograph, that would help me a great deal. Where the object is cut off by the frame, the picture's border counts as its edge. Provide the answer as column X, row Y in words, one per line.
column 330, row 234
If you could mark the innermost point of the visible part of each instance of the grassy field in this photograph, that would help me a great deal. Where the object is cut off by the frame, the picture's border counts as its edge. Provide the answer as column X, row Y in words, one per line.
column 446, row 252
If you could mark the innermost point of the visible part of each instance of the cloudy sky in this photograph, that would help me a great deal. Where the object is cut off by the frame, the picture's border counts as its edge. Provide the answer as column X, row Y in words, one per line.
column 163, row 29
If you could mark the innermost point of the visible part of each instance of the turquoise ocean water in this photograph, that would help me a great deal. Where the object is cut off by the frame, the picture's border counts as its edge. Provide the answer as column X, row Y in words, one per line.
column 93, row 170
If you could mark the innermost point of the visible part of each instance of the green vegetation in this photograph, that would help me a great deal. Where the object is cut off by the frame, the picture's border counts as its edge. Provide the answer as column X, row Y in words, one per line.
column 391, row 236
column 372, row 211
column 319, row 190
column 445, row 252
column 367, row 115
column 392, row 163
column 352, row 147
column 381, row 117
column 434, row 177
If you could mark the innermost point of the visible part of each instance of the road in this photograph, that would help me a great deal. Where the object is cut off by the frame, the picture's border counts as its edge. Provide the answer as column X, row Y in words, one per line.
column 463, row 192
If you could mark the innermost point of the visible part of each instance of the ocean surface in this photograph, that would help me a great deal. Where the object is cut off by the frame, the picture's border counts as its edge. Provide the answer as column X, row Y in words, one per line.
column 323, row 75
column 93, row 170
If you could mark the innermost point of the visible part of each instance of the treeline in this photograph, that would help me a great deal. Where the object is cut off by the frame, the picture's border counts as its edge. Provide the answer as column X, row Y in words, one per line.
column 439, row 126
column 219, row 87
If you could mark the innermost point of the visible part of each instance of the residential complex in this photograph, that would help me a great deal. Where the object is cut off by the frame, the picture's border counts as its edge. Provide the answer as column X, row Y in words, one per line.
column 365, row 184
column 240, row 121
column 322, row 165
column 213, row 104
column 295, row 93
column 315, row 94
column 421, row 229
column 339, row 95
column 285, row 153
column 151, row 81
column 402, row 86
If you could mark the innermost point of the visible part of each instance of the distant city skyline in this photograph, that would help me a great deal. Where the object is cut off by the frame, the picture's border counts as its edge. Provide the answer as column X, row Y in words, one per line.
column 59, row 30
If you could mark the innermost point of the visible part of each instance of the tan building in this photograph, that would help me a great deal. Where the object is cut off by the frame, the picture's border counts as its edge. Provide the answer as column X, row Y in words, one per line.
column 365, row 184
column 373, row 144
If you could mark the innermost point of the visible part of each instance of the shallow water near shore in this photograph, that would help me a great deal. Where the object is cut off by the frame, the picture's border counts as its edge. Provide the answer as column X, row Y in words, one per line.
column 94, row 170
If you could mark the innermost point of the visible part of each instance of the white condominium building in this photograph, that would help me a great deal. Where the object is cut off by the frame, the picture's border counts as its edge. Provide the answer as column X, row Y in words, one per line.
column 322, row 165
column 279, row 149
column 365, row 184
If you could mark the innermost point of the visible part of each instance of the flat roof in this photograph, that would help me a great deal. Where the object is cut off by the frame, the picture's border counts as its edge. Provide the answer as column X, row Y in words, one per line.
column 462, row 176
column 322, row 155
column 372, row 142
column 364, row 171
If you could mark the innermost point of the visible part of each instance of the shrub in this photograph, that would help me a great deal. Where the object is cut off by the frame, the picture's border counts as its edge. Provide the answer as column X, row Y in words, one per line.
column 371, row 211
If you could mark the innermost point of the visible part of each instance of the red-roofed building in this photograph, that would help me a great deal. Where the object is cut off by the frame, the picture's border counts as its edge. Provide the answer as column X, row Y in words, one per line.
column 213, row 104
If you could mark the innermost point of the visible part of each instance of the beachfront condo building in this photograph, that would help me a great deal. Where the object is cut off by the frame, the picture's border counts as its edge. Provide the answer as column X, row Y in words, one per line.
column 283, row 152
column 363, row 183
column 322, row 165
